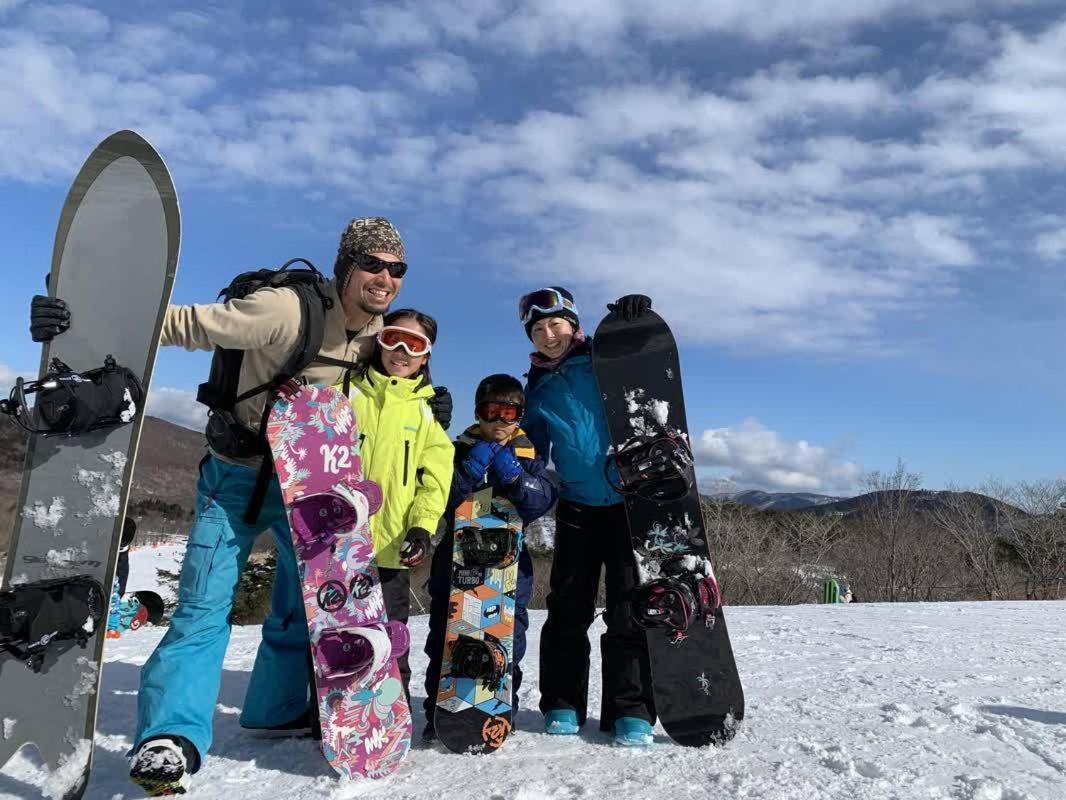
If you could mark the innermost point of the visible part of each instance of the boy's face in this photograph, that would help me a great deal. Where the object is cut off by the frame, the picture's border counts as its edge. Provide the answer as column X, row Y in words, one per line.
column 497, row 431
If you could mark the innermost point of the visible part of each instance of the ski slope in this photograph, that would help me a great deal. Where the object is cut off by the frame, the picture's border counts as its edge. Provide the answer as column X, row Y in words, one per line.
column 961, row 701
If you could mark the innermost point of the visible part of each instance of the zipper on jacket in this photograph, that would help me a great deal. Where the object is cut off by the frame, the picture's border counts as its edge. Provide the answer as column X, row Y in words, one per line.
column 406, row 459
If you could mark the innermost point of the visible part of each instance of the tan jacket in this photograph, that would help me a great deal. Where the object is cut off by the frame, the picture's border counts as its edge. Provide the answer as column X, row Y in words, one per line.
column 266, row 325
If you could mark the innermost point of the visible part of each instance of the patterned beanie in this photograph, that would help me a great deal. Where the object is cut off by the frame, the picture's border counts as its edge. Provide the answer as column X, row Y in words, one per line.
column 565, row 313
column 365, row 235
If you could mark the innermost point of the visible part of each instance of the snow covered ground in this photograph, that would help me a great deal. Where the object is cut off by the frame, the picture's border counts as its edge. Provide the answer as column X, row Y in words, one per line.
column 146, row 562
column 960, row 701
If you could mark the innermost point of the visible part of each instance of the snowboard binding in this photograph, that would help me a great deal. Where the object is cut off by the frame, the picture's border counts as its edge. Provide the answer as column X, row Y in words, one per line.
column 489, row 547
column 317, row 519
column 480, row 659
column 675, row 602
column 70, row 403
column 360, row 652
column 660, row 468
column 35, row 615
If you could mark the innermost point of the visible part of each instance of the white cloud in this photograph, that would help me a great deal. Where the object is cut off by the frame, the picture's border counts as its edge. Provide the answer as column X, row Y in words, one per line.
column 790, row 208
column 66, row 20
column 177, row 406
column 1050, row 245
column 602, row 26
column 753, row 455
column 440, row 73
column 8, row 376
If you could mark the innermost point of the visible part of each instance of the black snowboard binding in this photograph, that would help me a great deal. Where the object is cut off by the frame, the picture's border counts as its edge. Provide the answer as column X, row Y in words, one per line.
column 489, row 547
column 675, row 602
column 660, row 468
column 34, row 615
column 480, row 659
column 70, row 403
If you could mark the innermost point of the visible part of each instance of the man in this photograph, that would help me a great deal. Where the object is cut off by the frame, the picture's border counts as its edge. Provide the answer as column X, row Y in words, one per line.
column 180, row 681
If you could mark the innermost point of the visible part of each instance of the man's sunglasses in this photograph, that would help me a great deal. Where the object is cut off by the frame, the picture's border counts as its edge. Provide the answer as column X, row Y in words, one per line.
column 374, row 265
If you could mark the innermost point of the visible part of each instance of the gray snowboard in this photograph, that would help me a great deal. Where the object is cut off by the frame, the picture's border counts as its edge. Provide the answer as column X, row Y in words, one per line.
column 114, row 260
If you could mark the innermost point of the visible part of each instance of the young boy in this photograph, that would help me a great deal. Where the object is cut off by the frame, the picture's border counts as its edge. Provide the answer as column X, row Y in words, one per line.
column 493, row 452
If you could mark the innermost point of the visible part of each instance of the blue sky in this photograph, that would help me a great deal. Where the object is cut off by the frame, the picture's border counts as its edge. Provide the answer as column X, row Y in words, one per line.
column 852, row 214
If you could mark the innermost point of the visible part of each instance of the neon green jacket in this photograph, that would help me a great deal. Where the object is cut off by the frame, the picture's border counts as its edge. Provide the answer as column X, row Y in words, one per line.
column 404, row 450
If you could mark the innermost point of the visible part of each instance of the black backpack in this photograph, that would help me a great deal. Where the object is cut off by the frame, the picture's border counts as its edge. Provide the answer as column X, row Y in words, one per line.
column 225, row 434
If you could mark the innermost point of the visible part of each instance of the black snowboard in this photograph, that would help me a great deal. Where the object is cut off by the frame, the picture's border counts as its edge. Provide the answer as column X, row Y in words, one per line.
column 698, row 696
column 114, row 260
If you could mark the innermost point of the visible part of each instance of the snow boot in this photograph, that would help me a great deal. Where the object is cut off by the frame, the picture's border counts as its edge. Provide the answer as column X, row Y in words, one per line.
column 632, row 732
column 561, row 722
column 162, row 766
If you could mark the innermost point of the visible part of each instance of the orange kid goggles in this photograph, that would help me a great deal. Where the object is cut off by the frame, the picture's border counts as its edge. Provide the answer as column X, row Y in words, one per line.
column 498, row 411
column 393, row 336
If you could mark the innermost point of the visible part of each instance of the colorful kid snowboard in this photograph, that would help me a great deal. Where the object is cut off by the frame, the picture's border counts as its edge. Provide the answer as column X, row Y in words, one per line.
column 366, row 722
column 698, row 695
column 114, row 260
column 473, row 712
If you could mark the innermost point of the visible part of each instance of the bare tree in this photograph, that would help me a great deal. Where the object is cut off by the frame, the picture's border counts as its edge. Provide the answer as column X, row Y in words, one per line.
column 975, row 526
column 765, row 558
column 1036, row 536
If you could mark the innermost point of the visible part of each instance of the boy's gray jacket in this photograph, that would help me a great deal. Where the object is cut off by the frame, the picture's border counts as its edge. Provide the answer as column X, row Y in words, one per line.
column 266, row 325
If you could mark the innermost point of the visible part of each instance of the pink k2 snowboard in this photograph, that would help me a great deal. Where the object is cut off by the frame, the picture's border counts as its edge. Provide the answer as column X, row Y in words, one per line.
column 366, row 722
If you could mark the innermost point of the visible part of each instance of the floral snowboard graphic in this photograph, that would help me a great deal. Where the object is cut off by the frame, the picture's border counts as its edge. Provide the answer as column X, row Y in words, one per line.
column 366, row 722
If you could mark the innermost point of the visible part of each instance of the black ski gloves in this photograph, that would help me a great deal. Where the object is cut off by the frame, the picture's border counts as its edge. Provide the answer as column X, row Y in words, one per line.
column 631, row 306
column 49, row 317
column 441, row 406
column 415, row 547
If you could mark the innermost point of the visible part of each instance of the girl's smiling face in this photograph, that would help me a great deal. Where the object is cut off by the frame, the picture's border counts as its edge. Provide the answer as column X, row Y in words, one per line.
column 398, row 363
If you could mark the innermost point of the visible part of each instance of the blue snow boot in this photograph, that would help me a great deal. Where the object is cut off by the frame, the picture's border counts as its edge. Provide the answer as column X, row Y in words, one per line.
column 561, row 722
column 632, row 732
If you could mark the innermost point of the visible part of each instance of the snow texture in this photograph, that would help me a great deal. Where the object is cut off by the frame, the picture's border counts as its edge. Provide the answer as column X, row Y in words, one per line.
column 70, row 772
column 944, row 701
column 130, row 411
column 104, row 487
column 939, row 701
column 65, row 558
column 648, row 416
column 47, row 517
column 86, row 682
column 147, row 561
column 8, row 728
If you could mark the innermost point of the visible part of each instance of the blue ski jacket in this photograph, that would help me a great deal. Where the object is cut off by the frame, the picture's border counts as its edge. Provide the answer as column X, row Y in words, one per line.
column 565, row 421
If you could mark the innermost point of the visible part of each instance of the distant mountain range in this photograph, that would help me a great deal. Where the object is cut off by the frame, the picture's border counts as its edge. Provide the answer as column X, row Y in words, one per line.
column 777, row 501
column 921, row 500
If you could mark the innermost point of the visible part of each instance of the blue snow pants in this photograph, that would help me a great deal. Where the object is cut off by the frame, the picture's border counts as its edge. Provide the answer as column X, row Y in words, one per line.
column 180, row 681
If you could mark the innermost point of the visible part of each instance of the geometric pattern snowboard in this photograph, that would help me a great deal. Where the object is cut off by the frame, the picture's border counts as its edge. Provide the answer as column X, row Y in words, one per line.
column 114, row 260
column 473, row 716
column 698, row 695
column 366, row 730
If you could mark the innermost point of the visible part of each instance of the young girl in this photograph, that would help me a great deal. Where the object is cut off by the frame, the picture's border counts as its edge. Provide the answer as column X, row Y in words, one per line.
column 404, row 450
column 564, row 419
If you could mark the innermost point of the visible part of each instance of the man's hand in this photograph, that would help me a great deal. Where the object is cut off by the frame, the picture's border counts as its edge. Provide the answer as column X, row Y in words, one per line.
column 49, row 317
